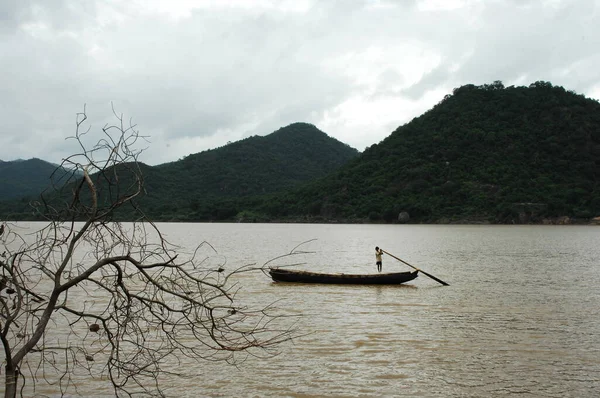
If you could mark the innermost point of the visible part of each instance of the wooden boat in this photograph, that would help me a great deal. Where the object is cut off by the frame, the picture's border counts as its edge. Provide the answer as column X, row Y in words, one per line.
column 285, row 275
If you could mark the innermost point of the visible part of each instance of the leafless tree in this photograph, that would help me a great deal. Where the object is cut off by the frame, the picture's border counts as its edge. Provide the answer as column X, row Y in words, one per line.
column 114, row 300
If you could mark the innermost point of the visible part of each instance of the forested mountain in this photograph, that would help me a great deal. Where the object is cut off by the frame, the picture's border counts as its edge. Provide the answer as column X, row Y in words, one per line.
column 26, row 178
column 284, row 159
column 291, row 155
column 194, row 186
column 485, row 153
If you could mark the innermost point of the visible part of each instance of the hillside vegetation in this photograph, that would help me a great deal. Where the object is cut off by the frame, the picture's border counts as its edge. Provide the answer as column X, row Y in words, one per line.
column 484, row 154
column 27, row 178
column 195, row 187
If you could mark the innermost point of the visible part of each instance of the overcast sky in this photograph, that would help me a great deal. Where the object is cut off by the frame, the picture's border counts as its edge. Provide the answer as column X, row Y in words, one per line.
column 195, row 74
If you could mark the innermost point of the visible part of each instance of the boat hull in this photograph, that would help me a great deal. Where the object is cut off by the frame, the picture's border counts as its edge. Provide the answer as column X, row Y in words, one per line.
column 284, row 275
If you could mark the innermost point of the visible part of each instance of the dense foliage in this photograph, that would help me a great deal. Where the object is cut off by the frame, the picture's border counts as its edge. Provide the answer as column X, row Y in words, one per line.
column 195, row 187
column 25, row 178
column 485, row 153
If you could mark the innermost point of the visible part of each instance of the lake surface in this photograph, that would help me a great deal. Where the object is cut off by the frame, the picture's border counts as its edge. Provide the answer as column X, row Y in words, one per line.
column 521, row 315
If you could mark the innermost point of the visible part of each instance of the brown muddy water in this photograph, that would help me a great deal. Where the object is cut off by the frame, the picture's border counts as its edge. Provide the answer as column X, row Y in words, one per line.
column 521, row 315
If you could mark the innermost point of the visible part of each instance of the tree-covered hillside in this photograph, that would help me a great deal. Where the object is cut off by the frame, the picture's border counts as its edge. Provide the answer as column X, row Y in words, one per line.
column 483, row 154
column 284, row 159
column 194, row 188
column 291, row 155
column 489, row 153
column 26, row 178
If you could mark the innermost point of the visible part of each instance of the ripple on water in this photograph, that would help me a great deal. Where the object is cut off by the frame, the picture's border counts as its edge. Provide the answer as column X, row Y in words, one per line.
column 520, row 317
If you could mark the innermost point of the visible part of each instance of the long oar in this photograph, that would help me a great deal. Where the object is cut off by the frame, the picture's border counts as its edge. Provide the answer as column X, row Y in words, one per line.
column 420, row 270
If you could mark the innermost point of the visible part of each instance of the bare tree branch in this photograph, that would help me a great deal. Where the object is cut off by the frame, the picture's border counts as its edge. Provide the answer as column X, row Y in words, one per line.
column 85, row 290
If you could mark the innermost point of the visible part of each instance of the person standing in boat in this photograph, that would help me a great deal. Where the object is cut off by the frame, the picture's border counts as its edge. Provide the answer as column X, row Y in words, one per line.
column 378, row 254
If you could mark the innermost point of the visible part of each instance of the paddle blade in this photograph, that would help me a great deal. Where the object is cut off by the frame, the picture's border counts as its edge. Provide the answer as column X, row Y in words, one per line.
column 434, row 278
column 418, row 269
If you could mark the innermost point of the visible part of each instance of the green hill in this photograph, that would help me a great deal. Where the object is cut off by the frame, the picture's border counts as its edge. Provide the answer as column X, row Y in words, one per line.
column 282, row 160
column 485, row 153
column 26, row 178
column 194, row 188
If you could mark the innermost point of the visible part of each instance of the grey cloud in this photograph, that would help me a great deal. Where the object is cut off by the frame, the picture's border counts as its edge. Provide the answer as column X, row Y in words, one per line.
column 11, row 13
column 233, row 73
column 58, row 14
column 251, row 71
column 508, row 43
column 431, row 80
